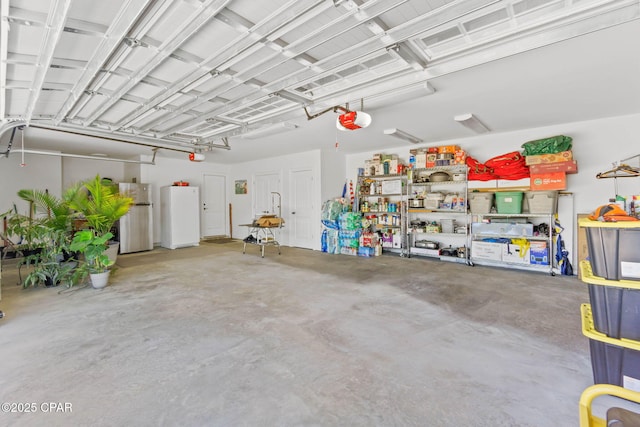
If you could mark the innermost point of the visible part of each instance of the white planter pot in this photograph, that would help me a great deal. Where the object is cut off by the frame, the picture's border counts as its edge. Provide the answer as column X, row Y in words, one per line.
column 112, row 251
column 99, row 280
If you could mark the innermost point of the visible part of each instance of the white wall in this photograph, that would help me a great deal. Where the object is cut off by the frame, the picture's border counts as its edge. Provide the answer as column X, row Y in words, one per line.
column 166, row 171
column 333, row 176
column 131, row 172
column 75, row 170
column 243, row 204
column 40, row 173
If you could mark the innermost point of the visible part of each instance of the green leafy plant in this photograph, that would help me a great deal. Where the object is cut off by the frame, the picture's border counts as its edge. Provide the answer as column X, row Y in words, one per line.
column 45, row 237
column 100, row 202
column 93, row 247
column 48, row 270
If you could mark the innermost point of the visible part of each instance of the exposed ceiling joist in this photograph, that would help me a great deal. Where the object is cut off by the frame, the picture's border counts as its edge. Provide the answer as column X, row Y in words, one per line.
column 183, row 71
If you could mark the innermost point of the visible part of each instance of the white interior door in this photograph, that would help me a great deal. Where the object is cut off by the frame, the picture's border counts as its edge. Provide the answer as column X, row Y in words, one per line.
column 214, row 206
column 301, row 207
column 265, row 184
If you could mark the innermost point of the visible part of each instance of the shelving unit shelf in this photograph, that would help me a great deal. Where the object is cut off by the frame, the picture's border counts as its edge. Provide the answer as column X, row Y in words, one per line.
column 478, row 236
column 372, row 201
column 421, row 187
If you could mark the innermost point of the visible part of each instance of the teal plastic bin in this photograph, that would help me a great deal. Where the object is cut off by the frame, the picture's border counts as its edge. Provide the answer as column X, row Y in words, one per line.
column 509, row 202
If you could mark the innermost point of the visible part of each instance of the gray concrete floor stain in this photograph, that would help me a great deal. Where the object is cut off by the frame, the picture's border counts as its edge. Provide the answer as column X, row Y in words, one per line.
column 209, row 336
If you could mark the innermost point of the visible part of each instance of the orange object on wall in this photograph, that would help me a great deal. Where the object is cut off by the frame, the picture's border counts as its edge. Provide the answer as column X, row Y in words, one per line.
column 549, row 181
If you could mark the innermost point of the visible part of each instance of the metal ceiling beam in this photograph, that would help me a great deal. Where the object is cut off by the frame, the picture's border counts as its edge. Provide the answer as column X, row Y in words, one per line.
column 112, row 136
column 4, row 48
column 128, row 14
column 236, row 47
column 26, row 17
column 297, row 20
column 537, row 34
column 143, row 22
column 53, row 30
column 374, row 7
column 183, row 33
column 85, row 156
column 78, row 26
column 370, row 10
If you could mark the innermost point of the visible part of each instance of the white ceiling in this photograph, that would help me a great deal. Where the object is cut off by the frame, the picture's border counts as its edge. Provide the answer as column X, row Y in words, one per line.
column 197, row 74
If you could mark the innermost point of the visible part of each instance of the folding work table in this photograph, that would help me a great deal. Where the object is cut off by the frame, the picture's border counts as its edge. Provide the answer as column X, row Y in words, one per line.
column 261, row 236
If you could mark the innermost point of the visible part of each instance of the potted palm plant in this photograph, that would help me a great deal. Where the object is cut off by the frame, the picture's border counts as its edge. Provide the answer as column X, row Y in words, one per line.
column 47, row 232
column 100, row 204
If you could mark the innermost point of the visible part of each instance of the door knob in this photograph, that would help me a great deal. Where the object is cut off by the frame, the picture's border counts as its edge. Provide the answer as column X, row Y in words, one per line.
column 293, row 213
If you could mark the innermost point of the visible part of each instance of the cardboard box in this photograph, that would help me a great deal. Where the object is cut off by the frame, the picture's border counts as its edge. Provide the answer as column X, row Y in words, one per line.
column 570, row 166
column 449, row 149
column 431, row 160
column 269, row 221
column 583, row 247
column 369, row 167
column 459, row 157
column 393, row 166
column 421, row 160
column 397, row 241
column 486, row 250
column 516, row 254
column 539, row 253
column 563, row 156
column 548, row 181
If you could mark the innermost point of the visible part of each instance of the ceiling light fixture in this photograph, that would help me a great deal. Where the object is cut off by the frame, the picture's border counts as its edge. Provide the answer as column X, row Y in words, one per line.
column 470, row 121
column 400, row 134
column 269, row 130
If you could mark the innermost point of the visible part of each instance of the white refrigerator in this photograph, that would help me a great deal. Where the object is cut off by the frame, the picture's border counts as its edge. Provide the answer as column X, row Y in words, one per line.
column 180, row 216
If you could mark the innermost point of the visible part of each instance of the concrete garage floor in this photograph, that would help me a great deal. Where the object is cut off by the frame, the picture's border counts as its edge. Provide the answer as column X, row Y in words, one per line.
column 209, row 336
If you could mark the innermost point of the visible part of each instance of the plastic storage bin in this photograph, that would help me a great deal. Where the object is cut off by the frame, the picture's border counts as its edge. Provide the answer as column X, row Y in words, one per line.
column 614, row 305
column 613, row 248
column 540, row 202
column 612, row 364
column 509, row 202
column 613, row 361
column 480, row 203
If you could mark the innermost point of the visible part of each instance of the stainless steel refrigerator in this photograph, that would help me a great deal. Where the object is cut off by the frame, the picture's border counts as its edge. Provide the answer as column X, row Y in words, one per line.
column 136, row 227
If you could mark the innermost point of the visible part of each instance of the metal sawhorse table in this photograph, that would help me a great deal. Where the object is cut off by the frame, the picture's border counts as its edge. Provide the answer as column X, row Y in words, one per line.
column 261, row 236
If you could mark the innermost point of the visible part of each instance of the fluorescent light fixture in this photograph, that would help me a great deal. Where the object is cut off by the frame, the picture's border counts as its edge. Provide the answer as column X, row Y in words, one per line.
column 400, row 134
column 470, row 121
column 292, row 97
column 269, row 130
